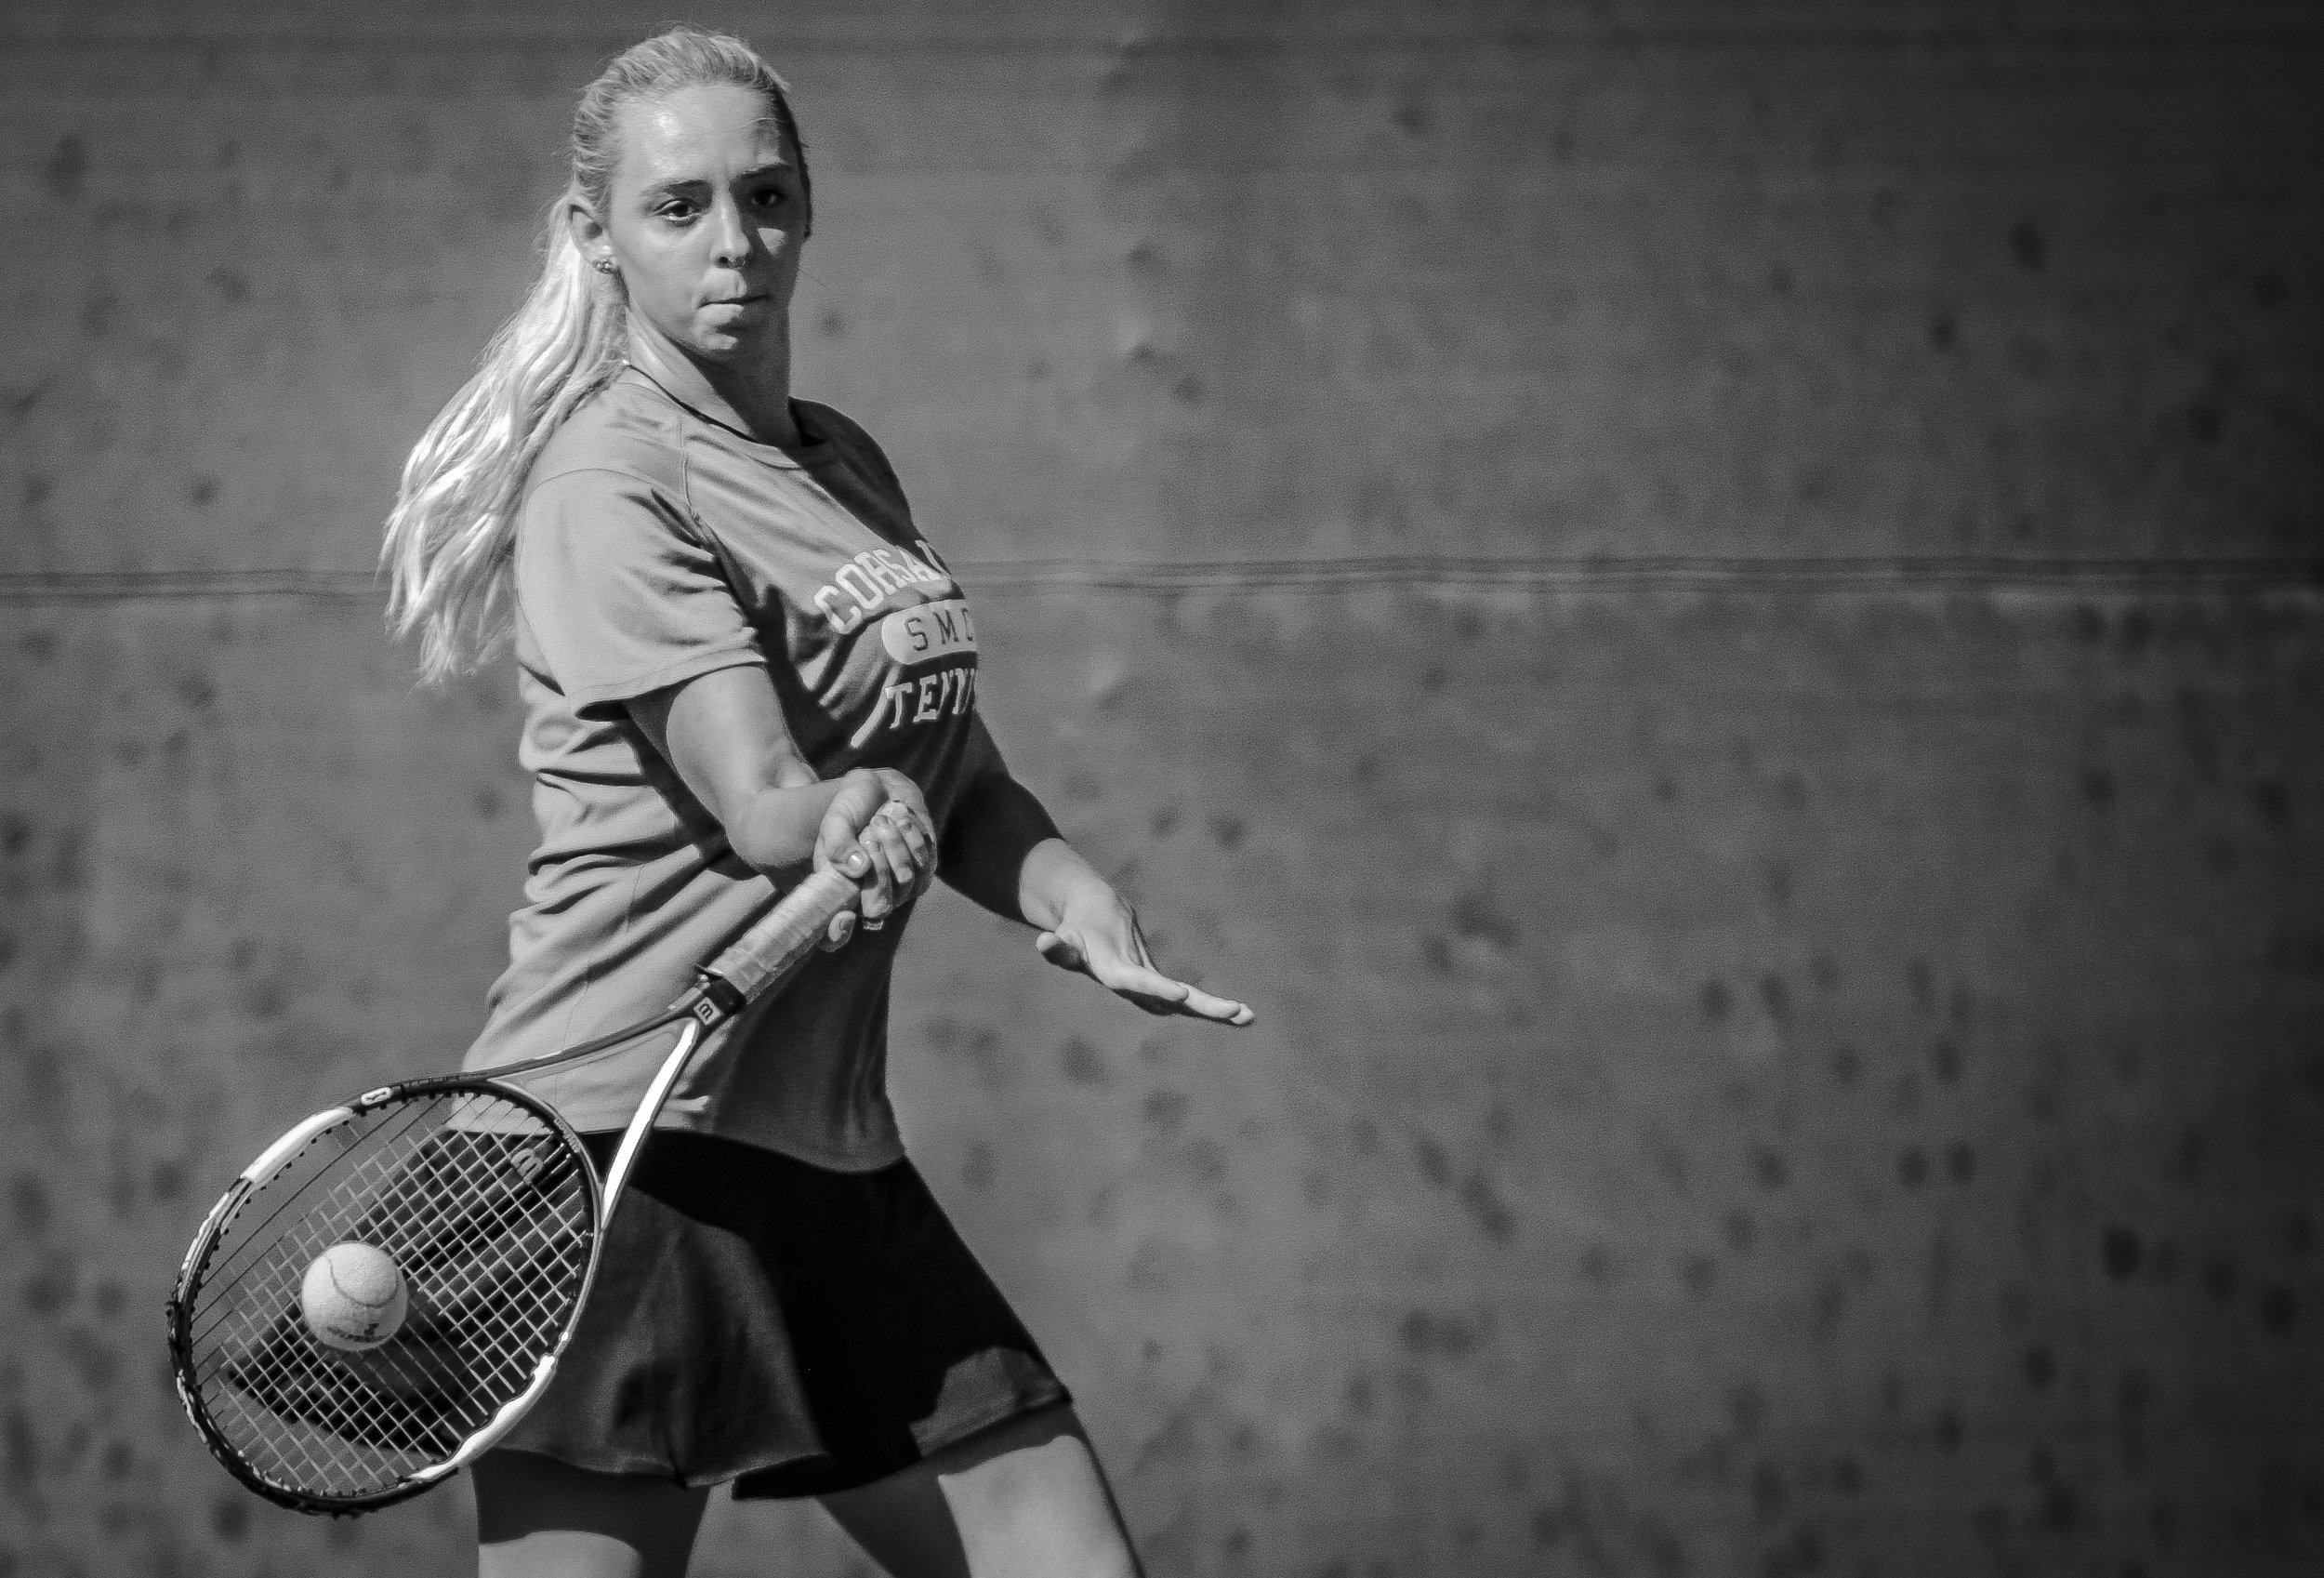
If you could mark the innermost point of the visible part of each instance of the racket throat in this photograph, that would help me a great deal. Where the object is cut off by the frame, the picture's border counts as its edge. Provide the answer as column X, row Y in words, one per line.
column 656, row 1095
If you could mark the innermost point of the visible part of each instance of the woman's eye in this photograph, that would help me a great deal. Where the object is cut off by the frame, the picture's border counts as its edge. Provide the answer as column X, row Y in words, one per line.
column 772, row 197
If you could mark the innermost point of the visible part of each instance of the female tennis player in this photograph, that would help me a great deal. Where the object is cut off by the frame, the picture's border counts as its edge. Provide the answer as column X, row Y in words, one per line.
column 740, row 659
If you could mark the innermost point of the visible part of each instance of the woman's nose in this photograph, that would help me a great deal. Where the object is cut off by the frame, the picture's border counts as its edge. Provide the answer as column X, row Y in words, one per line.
column 731, row 240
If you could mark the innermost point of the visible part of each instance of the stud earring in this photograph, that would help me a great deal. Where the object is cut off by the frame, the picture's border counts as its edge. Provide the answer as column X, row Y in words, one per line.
column 603, row 265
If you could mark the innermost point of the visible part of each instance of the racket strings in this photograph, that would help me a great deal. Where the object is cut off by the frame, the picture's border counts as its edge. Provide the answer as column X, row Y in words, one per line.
column 359, row 1160
column 414, row 1384
column 486, row 1210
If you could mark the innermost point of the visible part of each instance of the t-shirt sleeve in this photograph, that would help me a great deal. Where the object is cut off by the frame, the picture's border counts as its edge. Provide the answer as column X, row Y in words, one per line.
column 620, row 592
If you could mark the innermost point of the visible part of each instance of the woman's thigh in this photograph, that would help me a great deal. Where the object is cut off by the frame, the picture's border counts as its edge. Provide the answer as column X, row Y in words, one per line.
column 537, row 1518
column 1026, row 1499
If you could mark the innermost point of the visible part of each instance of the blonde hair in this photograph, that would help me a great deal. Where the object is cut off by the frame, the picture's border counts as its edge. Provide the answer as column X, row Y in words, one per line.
column 451, row 537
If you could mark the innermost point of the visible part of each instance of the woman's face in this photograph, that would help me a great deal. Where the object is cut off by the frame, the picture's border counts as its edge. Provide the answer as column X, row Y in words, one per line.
column 703, row 218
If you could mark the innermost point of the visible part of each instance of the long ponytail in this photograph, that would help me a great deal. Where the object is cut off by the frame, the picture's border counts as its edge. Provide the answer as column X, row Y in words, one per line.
column 451, row 534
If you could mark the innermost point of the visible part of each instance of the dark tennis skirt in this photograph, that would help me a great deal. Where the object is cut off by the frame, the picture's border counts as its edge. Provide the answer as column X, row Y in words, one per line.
column 793, row 1328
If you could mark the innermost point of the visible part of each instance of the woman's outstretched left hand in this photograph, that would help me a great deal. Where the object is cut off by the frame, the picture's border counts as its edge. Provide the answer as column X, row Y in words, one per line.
column 1099, row 939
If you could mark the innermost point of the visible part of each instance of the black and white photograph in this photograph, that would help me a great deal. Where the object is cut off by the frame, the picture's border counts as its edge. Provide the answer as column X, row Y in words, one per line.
column 1155, row 789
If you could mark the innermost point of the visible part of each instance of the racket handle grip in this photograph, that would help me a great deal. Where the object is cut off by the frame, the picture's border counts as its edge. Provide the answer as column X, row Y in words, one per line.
column 785, row 936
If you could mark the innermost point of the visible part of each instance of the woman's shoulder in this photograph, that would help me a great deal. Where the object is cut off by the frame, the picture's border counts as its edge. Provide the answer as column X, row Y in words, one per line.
column 620, row 432
column 835, row 426
column 830, row 424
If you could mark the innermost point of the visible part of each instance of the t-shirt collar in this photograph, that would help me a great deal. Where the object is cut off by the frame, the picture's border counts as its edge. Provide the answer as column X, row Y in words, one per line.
column 815, row 448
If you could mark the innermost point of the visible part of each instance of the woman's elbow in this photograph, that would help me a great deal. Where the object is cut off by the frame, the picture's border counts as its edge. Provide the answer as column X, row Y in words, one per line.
column 770, row 836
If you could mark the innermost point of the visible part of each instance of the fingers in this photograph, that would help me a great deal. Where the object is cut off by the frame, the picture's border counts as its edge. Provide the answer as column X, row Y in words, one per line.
column 901, row 786
column 1220, row 1010
column 909, row 847
column 1143, row 985
column 903, row 851
column 1060, row 952
column 855, row 863
column 921, row 836
column 836, row 935
column 879, row 885
column 907, row 807
column 859, row 798
column 1157, row 994
column 875, row 830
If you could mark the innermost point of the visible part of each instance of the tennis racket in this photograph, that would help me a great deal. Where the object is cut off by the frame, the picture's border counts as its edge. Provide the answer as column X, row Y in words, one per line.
column 482, row 1208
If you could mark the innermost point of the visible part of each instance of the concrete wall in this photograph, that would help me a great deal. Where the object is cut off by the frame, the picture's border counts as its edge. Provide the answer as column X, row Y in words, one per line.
column 1771, row 824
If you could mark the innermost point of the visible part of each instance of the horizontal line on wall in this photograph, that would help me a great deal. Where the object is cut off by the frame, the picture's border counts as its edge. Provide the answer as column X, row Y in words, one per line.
column 1810, row 571
column 147, row 586
column 1803, row 573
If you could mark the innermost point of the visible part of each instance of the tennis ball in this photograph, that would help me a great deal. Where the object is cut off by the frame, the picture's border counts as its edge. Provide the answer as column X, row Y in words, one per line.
column 354, row 1296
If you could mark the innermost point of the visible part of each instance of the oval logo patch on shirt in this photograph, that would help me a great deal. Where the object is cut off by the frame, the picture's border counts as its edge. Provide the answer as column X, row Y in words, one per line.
column 930, row 630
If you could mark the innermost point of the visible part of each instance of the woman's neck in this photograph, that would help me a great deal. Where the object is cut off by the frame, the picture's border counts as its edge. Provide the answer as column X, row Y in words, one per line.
column 754, row 399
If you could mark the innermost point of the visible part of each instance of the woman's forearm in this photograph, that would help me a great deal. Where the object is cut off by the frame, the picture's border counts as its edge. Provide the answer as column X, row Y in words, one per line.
column 774, row 829
column 1002, row 850
column 723, row 734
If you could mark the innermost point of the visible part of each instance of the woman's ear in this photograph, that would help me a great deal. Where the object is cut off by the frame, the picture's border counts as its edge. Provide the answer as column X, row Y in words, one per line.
column 588, row 233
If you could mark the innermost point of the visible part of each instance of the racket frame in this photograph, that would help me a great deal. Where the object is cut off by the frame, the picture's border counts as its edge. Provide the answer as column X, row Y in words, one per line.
column 748, row 968
column 179, row 1309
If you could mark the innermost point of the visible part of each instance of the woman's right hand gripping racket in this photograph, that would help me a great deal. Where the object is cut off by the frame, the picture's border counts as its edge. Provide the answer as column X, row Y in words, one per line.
column 381, row 1295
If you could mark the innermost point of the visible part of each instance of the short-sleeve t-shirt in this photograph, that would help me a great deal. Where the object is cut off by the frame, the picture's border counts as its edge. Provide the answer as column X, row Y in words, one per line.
column 655, row 545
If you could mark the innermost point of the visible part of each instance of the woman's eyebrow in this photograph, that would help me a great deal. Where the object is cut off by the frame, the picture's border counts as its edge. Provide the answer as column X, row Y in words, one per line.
column 687, row 185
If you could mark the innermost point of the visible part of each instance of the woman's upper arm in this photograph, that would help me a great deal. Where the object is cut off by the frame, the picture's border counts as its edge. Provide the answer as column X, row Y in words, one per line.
column 634, row 616
column 620, row 591
column 723, row 734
